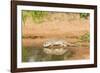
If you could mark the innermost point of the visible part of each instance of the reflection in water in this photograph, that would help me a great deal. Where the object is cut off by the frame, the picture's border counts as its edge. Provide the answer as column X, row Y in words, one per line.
column 52, row 50
column 55, row 51
column 35, row 55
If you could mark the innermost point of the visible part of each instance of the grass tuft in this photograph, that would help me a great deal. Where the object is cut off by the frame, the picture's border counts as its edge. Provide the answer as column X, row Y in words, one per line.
column 37, row 16
column 85, row 37
column 84, row 15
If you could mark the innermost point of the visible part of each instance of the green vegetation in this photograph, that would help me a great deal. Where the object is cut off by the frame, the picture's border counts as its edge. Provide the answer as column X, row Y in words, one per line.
column 37, row 16
column 85, row 37
column 24, row 54
column 84, row 15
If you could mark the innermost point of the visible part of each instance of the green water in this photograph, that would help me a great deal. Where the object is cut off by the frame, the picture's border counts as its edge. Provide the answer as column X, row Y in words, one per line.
column 37, row 54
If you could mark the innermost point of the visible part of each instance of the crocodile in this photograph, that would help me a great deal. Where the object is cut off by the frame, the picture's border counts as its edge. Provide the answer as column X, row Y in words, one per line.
column 56, row 47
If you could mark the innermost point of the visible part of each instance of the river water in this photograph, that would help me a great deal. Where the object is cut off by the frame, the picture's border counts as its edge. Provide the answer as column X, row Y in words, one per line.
column 37, row 54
